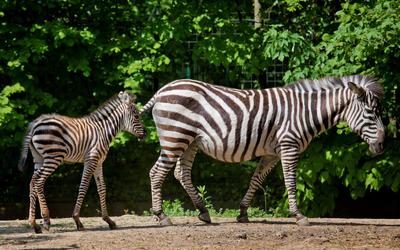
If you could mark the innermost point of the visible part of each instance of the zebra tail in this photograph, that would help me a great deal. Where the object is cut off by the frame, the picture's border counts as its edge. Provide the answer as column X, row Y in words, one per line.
column 148, row 105
column 22, row 163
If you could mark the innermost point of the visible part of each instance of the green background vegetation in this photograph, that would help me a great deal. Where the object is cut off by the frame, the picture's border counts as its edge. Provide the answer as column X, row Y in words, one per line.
column 69, row 56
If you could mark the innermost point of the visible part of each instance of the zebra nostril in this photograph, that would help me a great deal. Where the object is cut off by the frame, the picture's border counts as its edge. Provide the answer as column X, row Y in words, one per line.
column 144, row 134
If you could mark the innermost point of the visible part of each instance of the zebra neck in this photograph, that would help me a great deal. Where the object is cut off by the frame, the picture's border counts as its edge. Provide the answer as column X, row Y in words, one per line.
column 108, row 119
column 345, row 106
column 342, row 101
column 350, row 110
column 328, row 108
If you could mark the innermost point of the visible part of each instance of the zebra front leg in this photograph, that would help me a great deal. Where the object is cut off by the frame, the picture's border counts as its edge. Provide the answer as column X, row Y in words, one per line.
column 265, row 165
column 101, row 189
column 289, row 159
column 32, row 204
column 89, row 167
column 183, row 173
column 157, row 176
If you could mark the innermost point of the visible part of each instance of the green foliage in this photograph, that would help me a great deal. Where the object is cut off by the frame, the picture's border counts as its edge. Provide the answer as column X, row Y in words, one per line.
column 204, row 196
column 175, row 208
column 7, row 107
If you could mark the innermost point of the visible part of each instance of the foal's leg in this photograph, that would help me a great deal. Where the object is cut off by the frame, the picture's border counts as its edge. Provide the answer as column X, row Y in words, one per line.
column 101, row 189
column 265, row 166
column 88, row 169
column 49, row 166
column 32, row 201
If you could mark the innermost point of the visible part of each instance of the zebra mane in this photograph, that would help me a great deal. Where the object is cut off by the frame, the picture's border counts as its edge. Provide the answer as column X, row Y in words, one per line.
column 368, row 82
column 105, row 108
column 114, row 101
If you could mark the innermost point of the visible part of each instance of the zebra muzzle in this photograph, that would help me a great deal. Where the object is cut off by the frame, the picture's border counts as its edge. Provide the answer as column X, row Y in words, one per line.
column 377, row 147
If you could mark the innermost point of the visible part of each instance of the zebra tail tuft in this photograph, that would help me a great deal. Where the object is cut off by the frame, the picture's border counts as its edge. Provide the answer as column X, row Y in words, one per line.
column 22, row 163
column 148, row 105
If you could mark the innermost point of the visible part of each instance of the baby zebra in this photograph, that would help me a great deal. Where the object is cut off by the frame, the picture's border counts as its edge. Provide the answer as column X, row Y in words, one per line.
column 53, row 139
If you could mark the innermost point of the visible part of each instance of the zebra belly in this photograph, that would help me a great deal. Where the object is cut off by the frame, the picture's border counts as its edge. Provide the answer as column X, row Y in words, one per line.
column 176, row 136
column 227, row 151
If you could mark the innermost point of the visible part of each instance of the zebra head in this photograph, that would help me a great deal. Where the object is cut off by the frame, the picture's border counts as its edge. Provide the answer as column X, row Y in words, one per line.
column 365, row 118
column 130, row 120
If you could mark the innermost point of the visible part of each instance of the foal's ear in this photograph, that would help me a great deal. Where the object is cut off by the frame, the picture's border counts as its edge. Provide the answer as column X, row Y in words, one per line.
column 127, row 97
column 124, row 96
column 358, row 90
column 133, row 97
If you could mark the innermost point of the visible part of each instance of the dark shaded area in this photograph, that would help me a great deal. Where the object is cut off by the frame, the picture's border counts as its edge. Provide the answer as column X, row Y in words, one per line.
column 382, row 204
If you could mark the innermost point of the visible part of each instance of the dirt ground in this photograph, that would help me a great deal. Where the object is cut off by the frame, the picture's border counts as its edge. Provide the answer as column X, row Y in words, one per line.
column 140, row 232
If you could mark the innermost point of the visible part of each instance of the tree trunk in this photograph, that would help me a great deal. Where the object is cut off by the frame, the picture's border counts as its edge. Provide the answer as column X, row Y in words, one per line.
column 257, row 14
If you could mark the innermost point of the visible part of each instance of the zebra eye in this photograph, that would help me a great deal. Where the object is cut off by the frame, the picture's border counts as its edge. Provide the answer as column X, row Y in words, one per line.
column 379, row 111
column 369, row 109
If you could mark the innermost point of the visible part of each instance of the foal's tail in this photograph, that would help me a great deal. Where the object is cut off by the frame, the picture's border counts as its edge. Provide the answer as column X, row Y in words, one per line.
column 22, row 163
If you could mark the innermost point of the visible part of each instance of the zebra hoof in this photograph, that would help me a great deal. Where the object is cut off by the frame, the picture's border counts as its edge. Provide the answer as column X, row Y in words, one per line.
column 37, row 229
column 112, row 225
column 242, row 219
column 303, row 221
column 205, row 217
column 79, row 226
column 46, row 225
column 166, row 222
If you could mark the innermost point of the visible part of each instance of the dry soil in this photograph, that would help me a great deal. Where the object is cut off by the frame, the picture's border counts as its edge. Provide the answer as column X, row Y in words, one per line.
column 140, row 232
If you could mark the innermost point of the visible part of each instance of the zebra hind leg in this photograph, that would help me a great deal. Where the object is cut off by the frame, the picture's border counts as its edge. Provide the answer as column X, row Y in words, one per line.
column 183, row 173
column 157, row 176
column 265, row 166
column 32, row 205
column 45, row 170
column 101, row 189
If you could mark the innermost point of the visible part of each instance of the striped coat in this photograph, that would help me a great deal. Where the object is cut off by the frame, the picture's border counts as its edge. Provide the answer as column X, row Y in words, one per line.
column 233, row 125
column 54, row 139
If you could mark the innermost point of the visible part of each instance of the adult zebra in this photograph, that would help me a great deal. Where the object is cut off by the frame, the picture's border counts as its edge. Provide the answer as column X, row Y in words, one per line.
column 53, row 139
column 233, row 125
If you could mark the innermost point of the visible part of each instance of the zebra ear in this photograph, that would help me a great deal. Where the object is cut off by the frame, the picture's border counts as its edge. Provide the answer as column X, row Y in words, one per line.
column 356, row 89
column 124, row 96
column 133, row 97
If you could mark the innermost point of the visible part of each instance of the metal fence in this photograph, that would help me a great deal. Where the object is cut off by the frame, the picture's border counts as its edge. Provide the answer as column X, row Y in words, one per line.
column 271, row 76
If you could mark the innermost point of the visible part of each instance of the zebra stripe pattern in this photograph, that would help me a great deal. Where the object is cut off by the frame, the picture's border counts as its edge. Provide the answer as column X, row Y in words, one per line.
column 233, row 125
column 53, row 139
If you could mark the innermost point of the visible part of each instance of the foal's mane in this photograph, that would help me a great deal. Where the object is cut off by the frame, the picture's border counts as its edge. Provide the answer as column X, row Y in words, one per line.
column 112, row 100
column 104, row 109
